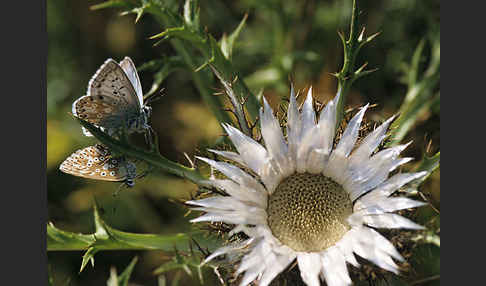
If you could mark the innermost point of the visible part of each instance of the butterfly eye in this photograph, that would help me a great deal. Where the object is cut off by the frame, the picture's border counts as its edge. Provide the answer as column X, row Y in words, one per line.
column 112, row 173
column 103, row 174
column 89, row 164
column 96, row 160
column 148, row 110
column 97, row 170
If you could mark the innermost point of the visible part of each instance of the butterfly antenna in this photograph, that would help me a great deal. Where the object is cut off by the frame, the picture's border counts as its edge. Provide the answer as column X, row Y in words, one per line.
column 150, row 98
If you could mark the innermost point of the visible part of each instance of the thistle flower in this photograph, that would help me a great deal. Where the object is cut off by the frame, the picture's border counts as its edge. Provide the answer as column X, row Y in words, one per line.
column 307, row 200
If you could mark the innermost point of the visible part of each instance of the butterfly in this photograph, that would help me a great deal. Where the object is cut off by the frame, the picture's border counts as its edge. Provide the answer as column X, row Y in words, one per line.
column 97, row 162
column 114, row 100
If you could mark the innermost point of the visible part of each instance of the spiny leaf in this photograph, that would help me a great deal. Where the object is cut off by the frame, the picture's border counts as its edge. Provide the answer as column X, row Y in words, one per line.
column 421, row 94
column 63, row 240
column 125, row 276
column 372, row 37
column 414, row 67
column 138, row 11
column 429, row 164
column 235, row 102
column 179, row 262
column 191, row 14
column 100, row 230
column 179, row 32
column 186, row 263
column 108, row 238
column 88, row 257
column 410, row 112
column 227, row 42
column 163, row 67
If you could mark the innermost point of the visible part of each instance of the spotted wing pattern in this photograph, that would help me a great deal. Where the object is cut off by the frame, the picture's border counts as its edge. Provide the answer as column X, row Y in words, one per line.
column 111, row 80
column 111, row 101
column 96, row 162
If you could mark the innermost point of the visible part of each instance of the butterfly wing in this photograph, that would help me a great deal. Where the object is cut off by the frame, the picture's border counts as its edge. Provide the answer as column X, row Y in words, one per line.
column 95, row 109
column 112, row 81
column 129, row 67
column 111, row 100
column 78, row 105
column 95, row 162
column 104, row 111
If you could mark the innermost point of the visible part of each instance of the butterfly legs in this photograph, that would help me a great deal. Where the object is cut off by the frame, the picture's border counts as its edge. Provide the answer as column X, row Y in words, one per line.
column 152, row 139
column 132, row 176
column 119, row 189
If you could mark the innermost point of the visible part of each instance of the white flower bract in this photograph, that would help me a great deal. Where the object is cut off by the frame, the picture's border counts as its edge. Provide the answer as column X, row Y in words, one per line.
column 362, row 175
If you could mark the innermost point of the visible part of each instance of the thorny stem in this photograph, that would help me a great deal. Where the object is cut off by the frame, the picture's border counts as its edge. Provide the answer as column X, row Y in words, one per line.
column 347, row 75
column 79, row 242
column 237, row 105
column 199, row 79
column 208, row 46
column 107, row 238
column 344, row 80
column 152, row 158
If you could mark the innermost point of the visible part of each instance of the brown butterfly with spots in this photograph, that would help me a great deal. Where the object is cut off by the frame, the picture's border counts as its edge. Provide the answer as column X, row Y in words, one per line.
column 97, row 162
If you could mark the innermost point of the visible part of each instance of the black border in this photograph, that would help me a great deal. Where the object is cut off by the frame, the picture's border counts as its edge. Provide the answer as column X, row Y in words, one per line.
column 43, row 269
column 24, row 197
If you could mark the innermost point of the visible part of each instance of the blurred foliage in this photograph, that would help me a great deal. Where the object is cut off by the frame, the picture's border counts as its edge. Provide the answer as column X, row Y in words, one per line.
column 279, row 40
column 124, row 277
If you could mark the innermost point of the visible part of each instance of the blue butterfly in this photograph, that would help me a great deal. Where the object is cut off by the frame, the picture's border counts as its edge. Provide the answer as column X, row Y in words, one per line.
column 114, row 101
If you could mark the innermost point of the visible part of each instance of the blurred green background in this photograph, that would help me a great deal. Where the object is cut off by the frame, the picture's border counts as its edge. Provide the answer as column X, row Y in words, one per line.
column 281, row 40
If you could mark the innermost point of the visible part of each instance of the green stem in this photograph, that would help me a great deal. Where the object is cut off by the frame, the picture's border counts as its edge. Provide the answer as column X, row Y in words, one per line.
column 153, row 158
column 347, row 75
column 107, row 238
column 200, row 80
column 208, row 46
column 410, row 112
column 59, row 240
column 420, row 94
column 237, row 106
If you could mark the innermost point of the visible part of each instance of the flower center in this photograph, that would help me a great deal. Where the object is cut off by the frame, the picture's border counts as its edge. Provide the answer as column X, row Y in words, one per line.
column 307, row 212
